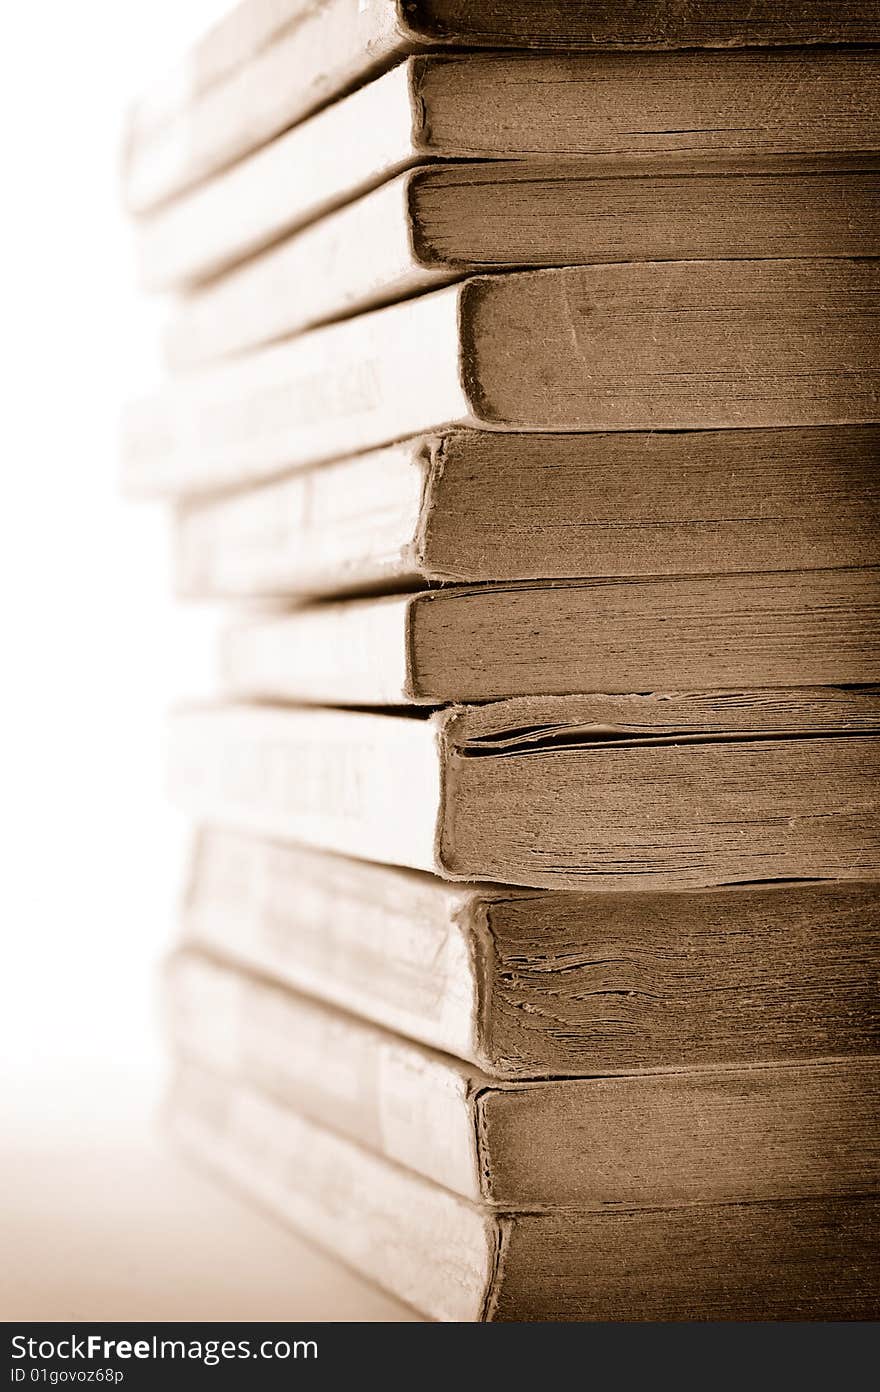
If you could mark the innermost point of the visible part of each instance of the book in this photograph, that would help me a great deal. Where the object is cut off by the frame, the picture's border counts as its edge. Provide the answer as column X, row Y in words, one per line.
column 488, row 642
column 528, row 983
column 468, row 505
column 329, row 49
column 606, row 792
column 439, row 223
column 247, row 30
column 711, row 1135
column 653, row 345
column 613, row 113
column 454, row 1260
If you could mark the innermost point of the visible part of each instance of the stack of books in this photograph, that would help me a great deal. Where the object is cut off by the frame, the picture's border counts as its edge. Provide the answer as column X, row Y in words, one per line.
column 522, row 396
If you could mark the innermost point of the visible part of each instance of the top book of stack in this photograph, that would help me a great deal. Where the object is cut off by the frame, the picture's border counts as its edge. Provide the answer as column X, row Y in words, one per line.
column 676, row 225
column 265, row 66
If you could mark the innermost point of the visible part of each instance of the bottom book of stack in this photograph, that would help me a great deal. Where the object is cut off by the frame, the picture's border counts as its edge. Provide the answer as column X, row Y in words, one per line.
column 532, row 1105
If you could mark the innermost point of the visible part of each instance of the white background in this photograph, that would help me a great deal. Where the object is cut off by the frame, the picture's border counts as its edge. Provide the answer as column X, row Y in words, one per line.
column 92, row 648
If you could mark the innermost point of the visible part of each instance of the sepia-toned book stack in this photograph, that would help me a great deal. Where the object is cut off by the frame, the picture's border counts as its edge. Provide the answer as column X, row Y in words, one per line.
column 522, row 404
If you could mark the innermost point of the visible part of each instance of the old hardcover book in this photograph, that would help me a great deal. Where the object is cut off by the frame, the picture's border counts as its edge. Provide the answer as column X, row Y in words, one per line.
column 487, row 642
column 454, row 1259
column 471, row 505
column 528, row 983
column 557, row 792
column 330, row 48
column 672, row 345
column 440, row 223
column 613, row 114
column 710, row 1135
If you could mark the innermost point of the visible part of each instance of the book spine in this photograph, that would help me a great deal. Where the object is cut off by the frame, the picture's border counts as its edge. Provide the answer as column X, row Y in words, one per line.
column 341, row 655
column 356, row 784
column 287, row 81
column 430, row 1248
column 339, row 390
column 349, row 525
column 403, row 951
column 302, row 176
column 236, row 38
column 401, row 1101
column 354, row 260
